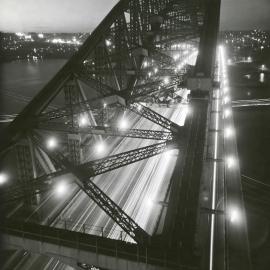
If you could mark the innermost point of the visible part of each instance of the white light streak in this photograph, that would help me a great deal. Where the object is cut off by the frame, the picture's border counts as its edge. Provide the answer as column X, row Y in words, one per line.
column 188, row 110
column 187, row 59
column 149, row 202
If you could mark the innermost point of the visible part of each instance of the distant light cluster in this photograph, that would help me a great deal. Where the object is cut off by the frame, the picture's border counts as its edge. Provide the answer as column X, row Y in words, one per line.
column 246, row 43
column 37, row 46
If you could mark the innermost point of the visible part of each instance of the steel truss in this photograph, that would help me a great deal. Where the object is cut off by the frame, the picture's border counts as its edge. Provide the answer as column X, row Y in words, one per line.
column 116, row 161
column 109, row 131
column 93, row 168
column 124, row 59
column 155, row 117
column 95, row 193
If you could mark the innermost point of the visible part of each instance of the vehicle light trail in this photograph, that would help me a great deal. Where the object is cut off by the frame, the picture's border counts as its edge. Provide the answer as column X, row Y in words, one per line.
column 130, row 187
column 215, row 169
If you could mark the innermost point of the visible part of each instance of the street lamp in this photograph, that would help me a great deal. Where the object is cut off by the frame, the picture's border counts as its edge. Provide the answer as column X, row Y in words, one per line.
column 227, row 113
column 139, row 107
column 61, row 188
column 51, row 143
column 176, row 56
column 228, row 132
column 166, row 80
column 230, row 161
column 83, row 120
column 108, row 42
column 225, row 89
column 149, row 202
column 100, row 147
column 3, row 178
column 123, row 124
column 234, row 215
column 226, row 100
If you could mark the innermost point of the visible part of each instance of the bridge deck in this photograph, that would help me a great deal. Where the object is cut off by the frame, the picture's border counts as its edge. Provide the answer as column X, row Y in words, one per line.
column 73, row 247
column 180, row 224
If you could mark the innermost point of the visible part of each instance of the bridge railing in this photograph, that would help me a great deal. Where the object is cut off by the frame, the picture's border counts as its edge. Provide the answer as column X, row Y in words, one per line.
column 72, row 225
column 164, row 257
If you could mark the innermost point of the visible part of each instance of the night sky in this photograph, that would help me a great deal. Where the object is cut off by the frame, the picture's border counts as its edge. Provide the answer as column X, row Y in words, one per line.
column 84, row 15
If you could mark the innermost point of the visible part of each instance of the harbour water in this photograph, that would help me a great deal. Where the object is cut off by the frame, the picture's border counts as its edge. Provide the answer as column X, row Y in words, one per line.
column 22, row 80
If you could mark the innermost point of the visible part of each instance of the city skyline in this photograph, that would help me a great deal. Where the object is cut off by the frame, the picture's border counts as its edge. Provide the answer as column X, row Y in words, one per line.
column 57, row 16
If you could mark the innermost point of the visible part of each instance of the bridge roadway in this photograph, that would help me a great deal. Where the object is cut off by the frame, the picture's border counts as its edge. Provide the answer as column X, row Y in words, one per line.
column 74, row 247
column 180, row 220
column 230, row 238
column 149, row 181
column 142, row 183
column 251, row 103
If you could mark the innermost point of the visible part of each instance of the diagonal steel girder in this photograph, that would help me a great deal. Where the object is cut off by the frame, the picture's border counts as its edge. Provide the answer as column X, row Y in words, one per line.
column 108, row 131
column 119, row 160
column 93, row 168
column 24, row 121
column 81, row 107
column 104, row 89
column 137, row 108
column 83, row 180
column 155, row 117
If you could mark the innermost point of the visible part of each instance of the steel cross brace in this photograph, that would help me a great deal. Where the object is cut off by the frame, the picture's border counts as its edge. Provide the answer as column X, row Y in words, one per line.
column 96, row 194
column 110, row 163
column 109, row 131
column 80, row 107
column 93, row 168
column 162, row 58
column 83, row 75
column 154, row 117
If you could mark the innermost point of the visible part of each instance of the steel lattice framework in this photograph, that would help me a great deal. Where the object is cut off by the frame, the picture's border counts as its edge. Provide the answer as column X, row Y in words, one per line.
column 137, row 53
